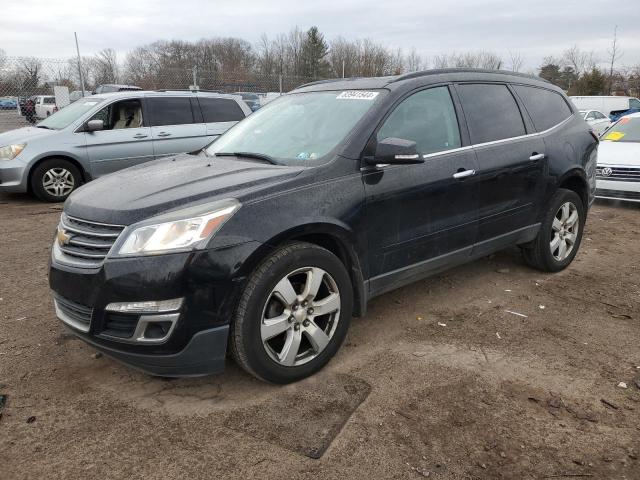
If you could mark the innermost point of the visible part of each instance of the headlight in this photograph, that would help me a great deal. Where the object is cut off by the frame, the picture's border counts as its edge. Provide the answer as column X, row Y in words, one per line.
column 187, row 233
column 11, row 151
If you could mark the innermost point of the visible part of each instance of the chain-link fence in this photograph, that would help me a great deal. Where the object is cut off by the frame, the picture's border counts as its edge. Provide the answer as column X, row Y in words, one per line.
column 32, row 88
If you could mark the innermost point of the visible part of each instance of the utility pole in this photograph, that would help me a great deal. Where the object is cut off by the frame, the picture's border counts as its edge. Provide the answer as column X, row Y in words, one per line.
column 79, row 65
column 614, row 53
column 342, row 68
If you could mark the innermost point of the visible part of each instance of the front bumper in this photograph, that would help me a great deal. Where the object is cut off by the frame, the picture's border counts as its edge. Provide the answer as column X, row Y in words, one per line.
column 13, row 176
column 618, row 190
column 209, row 281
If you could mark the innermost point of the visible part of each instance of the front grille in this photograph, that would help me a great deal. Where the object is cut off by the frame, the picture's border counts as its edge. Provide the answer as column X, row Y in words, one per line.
column 73, row 314
column 600, row 192
column 629, row 174
column 86, row 243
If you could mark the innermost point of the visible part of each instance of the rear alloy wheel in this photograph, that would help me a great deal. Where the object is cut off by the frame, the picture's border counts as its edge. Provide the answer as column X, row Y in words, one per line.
column 558, row 239
column 293, row 314
column 53, row 180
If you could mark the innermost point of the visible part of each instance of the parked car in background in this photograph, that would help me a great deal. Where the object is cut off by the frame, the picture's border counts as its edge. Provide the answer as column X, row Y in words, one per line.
column 251, row 99
column 8, row 104
column 269, row 240
column 268, row 97
column 77, row 95
column 598, row 121
column 45, row 105
column 111, row 87
column 104, row 133
column 618, row 172
column 611, row 105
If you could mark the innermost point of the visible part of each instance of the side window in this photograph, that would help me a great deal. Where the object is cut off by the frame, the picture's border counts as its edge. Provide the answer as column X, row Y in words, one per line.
column 220, row 110
column 491, row 112
column 427, row 118
column 49, row 100
column 598, row 115
column 120, row 115
column 634, row 103
column 169, row 111
column 545, row 107
column 592, row 116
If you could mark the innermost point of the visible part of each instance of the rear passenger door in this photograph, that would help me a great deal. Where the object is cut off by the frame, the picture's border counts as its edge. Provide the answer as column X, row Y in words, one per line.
column 219, row 115
column 174, row 126
column 511, row 163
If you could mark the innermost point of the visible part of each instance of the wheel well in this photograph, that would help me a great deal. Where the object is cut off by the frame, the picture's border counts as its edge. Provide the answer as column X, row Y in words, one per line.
column 578, row 185
column 83, row 173
column 335, row 246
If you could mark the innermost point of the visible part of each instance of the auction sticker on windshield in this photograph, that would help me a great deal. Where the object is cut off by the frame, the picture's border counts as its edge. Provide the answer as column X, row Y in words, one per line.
column 614, row 136
column 357, row 95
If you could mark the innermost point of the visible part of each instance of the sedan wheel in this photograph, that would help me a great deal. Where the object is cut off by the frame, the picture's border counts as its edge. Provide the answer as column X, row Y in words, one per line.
column 300, row 316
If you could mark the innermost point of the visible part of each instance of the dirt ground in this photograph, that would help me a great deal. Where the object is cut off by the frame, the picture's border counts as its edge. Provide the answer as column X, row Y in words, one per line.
column 439, row 380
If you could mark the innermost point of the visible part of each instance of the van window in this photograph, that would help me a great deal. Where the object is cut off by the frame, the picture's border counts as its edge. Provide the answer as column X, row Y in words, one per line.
column 427, row 118
column 49, row 100
column 545, row 107
column 169, row 111
column 220, row 110
column 491, row 111
column 120, row 115
column 634, row 103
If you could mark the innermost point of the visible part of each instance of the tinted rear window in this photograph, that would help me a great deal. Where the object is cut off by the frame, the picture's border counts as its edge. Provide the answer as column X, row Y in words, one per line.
column 220, row 110
column 491, row 111
column 545, row 107
column 169, row 111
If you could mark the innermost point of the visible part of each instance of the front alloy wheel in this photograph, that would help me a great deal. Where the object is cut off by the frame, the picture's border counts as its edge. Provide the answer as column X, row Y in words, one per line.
column 293, row 313
column 300, row 316
column 565, row 231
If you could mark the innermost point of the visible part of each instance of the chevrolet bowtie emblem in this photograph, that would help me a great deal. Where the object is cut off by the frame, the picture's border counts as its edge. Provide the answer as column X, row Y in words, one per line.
column 63, row 237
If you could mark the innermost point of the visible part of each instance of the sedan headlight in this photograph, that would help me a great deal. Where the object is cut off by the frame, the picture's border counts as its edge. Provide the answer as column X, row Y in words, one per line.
column 11, row 151
column 186, row 233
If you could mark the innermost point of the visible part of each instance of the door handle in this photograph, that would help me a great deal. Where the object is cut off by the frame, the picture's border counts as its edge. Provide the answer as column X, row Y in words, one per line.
column 464, row 174
column 537, row 156
column 140, row 135
column 164, row 134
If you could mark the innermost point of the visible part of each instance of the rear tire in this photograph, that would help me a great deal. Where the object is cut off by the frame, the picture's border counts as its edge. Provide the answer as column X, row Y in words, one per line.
column 293, row 314
column 560, row 233
column 53, row 180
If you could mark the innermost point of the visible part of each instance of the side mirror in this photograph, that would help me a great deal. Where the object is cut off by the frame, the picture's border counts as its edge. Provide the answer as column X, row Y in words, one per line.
column 95, row 125
column 396, row 151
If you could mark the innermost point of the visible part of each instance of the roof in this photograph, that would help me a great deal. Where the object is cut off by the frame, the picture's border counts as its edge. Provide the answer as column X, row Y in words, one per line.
column 163, row 93
column 436, row 75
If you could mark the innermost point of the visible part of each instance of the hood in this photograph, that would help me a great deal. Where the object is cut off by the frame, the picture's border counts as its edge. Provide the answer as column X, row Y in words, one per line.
column 140, row 192
column 24, row 135
column 619, row 153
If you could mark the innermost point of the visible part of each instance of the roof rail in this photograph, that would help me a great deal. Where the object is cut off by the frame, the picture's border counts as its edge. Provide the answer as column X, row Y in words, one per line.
column 425, row 73
column 189, row 90
column 330, row 80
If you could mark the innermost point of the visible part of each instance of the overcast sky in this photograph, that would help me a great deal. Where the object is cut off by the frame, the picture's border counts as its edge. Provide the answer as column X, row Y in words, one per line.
column 534, row 28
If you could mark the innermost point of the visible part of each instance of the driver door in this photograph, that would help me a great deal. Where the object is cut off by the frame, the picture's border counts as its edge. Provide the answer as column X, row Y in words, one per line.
column 423, row 217
column 124, row 142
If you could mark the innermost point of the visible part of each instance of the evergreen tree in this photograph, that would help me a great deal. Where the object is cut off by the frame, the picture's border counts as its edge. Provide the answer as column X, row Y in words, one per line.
column 314, row 53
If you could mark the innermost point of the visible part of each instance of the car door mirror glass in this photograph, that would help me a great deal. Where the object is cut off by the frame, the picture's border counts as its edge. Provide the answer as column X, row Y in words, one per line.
column 95, row 125
column 396, row 151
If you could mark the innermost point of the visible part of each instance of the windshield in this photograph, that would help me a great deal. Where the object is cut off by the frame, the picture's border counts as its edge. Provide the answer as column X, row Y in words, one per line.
column 299, row 127
column 627, row 129
column 69, row 114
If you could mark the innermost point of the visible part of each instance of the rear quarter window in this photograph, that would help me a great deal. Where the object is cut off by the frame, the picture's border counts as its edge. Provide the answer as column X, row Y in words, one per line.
column 220, row 110
column 491, row 112
column 546, row 108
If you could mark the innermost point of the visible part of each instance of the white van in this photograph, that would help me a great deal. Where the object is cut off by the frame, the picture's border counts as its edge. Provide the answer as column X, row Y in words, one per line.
column 609, row 105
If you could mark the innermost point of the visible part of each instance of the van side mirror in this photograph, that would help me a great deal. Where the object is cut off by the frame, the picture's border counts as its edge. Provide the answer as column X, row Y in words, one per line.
column 95, row 125
column 396, row 151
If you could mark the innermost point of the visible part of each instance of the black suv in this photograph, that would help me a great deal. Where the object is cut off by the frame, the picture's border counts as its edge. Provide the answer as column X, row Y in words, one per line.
column 273, row 237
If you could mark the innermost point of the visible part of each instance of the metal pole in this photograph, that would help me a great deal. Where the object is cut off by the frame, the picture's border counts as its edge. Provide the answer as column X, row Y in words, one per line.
column 79, row 65
column 342, row 68
column 195, row 76
column 280, row 83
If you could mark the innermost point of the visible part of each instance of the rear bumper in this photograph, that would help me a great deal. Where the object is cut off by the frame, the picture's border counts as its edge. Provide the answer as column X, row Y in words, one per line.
column 203, row 355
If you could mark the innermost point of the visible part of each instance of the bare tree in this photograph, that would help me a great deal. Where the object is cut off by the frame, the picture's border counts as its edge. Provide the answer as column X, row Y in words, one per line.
column 579, row 60
column 104, row 66
column 614, row 54
column 481, row 59
column 515, row 61
column 413, row 62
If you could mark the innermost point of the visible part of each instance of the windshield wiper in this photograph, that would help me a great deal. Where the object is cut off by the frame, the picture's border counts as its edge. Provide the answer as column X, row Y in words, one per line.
column 258, row 156
column 44, row 126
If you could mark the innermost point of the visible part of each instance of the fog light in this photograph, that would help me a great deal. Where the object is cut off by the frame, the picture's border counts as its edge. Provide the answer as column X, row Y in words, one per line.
column 146, row 307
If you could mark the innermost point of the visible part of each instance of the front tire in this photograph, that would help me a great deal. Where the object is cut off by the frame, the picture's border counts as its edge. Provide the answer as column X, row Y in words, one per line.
column 560, row 233
column 53, row 180
column 293, row 314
